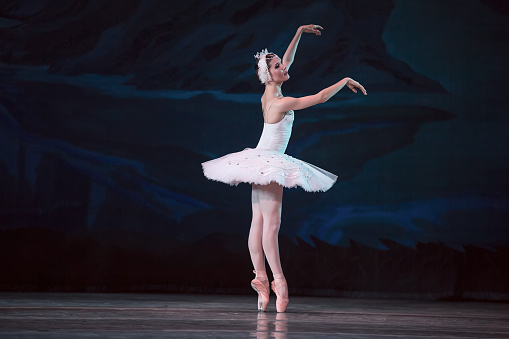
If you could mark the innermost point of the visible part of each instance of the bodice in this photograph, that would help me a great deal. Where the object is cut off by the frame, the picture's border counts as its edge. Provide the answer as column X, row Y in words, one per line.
column 275, row 136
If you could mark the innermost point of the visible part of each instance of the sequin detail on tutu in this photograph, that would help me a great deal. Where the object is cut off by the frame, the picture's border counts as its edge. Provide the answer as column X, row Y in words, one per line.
column 268, row 163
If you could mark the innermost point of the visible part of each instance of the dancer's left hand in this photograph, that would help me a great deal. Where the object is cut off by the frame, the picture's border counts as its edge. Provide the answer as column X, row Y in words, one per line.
column 353, row 85
column 312, row 29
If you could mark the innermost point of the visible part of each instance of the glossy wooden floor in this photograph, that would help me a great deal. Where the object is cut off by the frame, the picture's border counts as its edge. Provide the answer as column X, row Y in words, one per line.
column 78, row 315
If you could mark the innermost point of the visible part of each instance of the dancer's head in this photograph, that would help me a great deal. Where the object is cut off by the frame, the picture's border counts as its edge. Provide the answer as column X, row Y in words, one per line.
column 269, row 68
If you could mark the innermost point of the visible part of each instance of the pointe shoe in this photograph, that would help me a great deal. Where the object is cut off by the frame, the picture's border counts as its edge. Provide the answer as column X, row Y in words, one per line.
column 263, row 292
column 281, row 303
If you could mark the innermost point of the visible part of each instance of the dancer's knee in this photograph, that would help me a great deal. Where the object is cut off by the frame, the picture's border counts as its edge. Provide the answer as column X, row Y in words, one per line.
column 256, row 225
column 255, row 233
column 257, row 219
column 272, row 225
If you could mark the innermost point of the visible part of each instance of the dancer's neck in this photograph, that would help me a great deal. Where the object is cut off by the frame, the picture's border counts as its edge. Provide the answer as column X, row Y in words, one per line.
column 274, row 89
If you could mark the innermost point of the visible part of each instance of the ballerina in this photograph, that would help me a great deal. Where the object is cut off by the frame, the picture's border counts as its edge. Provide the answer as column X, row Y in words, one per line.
column 268, row 169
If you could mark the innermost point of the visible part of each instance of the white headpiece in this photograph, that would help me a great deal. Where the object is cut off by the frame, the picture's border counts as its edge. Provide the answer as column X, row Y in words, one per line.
column 263, row 68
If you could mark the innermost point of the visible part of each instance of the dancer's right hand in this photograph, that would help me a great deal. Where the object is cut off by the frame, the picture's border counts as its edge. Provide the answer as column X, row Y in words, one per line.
column 312, row 29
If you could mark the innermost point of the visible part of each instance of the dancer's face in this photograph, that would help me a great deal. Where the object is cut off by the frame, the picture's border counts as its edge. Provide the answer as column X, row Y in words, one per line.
column 278, row 70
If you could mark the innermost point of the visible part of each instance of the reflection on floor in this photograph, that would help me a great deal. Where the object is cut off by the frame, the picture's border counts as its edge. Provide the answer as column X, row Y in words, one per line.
column 77, row 315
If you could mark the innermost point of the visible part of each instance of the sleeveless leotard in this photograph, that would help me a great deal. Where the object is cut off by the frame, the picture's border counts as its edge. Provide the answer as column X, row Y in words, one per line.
column 268, row 163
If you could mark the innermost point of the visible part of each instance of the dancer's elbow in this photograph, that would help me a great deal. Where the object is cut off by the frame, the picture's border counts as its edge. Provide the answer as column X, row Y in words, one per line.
column 323, row 97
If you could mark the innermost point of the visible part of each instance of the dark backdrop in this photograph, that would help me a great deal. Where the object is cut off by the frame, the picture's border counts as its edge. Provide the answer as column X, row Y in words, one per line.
column 107, row 109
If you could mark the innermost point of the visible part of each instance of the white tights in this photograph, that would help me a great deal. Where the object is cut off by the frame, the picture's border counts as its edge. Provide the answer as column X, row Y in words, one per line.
column 263, row 235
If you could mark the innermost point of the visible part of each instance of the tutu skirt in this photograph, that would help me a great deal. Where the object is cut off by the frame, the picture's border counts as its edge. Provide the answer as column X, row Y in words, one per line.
column 263, row 166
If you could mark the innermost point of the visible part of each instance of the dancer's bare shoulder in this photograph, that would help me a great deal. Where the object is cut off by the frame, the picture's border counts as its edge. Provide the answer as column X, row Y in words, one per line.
column 271, row 111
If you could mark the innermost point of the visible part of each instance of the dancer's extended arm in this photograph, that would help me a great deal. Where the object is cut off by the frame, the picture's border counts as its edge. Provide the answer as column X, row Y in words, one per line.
column 288, row 103
column 292, row 48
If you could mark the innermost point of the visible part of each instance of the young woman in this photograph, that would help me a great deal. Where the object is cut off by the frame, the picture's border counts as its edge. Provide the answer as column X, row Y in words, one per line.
column 269, row 169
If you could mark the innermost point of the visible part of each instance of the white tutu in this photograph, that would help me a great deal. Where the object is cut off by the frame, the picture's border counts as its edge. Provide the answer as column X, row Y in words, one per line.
column 261, row 166
column 267, row 163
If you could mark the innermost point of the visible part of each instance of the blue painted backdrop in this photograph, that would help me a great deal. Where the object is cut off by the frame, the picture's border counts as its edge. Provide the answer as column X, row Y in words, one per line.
column 107, row 110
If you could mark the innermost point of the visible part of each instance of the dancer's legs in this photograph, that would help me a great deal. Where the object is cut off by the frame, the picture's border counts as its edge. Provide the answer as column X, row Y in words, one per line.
column 270, row 199
column 261, row 282
column 256, row 232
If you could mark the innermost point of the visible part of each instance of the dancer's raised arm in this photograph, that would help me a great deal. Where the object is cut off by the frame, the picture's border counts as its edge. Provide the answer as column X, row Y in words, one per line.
column 292, row 48
column 288, row 103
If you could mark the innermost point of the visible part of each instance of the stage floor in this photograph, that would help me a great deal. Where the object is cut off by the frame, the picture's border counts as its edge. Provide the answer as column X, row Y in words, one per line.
column 79, row 315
